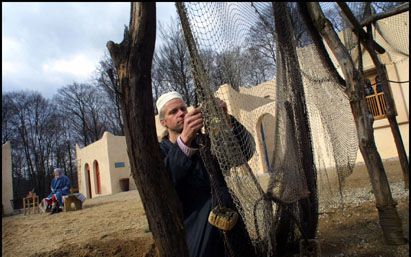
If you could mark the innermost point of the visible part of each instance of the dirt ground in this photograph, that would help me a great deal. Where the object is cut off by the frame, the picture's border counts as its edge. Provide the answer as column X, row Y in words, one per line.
column 116, row 226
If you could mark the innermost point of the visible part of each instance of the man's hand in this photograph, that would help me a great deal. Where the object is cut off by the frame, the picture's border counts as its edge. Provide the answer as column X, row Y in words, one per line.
column 193, row 122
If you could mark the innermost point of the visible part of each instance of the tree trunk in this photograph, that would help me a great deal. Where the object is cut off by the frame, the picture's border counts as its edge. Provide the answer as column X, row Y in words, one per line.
column 70, row 163
column 133, row 58
column 388, row 216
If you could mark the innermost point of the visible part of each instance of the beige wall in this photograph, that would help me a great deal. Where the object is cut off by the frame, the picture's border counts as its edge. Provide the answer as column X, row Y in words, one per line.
column 88, row 155
column 384, row 141
column 117, row 152
column 106, row 151
column 6, row 179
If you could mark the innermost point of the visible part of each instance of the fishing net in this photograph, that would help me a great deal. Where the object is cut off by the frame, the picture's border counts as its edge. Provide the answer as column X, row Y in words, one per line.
column 394, row 33
column 305, row 141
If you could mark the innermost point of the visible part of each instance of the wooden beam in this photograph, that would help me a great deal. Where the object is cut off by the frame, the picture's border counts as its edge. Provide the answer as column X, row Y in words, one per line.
column 362, row 35
column 375, row 17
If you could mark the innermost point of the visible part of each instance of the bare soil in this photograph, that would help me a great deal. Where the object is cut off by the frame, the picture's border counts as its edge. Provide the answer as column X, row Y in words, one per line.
column 117, row 226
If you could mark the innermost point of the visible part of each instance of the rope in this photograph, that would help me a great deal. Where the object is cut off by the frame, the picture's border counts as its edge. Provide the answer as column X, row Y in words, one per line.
column 398, row 82
column 392, row 81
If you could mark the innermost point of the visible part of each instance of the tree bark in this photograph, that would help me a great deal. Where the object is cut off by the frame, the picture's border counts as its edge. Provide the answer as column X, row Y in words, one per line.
column 388, row 216
column 133, row 58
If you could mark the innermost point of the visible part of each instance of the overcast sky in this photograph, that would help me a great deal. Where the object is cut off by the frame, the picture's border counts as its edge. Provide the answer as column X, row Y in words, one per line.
column 46, row 46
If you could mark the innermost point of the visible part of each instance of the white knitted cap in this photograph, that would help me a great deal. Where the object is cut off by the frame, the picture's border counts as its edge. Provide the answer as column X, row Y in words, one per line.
column 163, row 99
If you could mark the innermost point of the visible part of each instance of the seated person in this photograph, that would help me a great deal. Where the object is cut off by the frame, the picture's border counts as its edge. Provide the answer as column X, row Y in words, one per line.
column 60, row 186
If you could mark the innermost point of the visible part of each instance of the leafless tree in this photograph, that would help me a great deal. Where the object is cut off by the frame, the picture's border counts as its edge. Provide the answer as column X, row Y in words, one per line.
column 158, row 80
column 83, row 104
column 379, row 7
column 258, row 69
column 172, row 63
column 261, row 36
column 107, row 80
column 35, row 118
column 7, row 116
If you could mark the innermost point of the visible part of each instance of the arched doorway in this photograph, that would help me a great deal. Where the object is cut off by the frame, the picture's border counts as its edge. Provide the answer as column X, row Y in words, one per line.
column 88, row 180
column 266, row 138
column 97, row 175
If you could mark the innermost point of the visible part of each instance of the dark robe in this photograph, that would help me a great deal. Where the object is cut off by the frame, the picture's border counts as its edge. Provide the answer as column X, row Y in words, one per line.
column 192, row 184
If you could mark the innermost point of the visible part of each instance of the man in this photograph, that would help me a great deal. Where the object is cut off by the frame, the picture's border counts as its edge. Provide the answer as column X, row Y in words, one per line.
column 180, row 148
column 60, row 186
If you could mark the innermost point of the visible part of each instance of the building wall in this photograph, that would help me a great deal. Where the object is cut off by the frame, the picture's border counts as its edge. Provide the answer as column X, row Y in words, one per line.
column 87, row 155
column 117, row 153
column 107, row 151
column 6, row 179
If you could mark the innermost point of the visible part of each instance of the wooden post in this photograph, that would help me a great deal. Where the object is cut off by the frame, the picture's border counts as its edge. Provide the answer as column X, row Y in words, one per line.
column 133, row 59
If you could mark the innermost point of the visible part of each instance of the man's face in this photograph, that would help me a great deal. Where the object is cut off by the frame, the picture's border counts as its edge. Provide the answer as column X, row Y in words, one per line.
column 174, row 112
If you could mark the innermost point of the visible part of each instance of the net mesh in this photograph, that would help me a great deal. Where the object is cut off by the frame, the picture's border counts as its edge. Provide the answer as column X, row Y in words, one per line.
column 301, row 107
column 393, row 33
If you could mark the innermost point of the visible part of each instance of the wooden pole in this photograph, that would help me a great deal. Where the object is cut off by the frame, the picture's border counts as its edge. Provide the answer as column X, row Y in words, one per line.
column 375, row 17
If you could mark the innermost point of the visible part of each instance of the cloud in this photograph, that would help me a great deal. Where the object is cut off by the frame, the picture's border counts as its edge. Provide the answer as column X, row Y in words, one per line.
column 12, row 55
column 79, row 66
column 50, row 45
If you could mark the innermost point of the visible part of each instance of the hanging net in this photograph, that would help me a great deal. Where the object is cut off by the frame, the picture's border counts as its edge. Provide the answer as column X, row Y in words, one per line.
column 312, row 129
column 303, row 128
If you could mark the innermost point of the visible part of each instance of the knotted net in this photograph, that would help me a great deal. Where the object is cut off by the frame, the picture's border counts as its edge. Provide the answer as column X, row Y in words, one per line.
column 301, row 120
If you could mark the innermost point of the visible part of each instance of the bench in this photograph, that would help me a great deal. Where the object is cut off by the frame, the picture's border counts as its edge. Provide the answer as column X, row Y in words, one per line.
column 72, row 203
